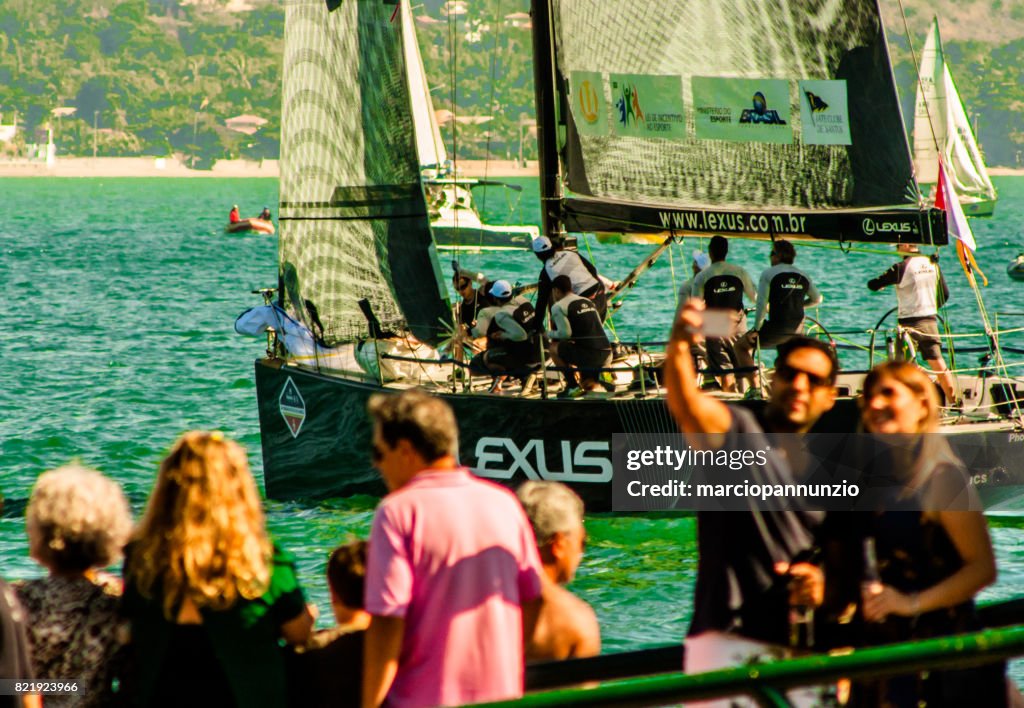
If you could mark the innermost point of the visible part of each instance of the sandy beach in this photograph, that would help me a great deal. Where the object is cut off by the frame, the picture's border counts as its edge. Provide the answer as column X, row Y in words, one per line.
column 172, row 167
column 134, row 167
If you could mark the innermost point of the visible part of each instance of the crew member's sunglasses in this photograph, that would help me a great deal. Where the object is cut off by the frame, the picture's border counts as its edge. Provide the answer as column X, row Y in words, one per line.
column 787, row 373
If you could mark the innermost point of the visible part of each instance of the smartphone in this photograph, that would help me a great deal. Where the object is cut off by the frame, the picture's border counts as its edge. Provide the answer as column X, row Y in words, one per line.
column 717, row 323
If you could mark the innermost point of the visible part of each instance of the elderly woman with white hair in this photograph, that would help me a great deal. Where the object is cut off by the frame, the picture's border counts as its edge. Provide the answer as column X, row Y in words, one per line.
column 78, row 522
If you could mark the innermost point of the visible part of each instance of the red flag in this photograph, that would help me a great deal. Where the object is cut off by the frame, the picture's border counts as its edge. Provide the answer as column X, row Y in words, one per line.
column 946, row 199
column 940, row 188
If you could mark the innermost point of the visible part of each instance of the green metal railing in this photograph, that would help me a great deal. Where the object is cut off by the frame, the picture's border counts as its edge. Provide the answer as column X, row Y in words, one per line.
column 767, row 682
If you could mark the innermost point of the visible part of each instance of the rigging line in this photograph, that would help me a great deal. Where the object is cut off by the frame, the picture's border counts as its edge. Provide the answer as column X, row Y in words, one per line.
column 490, row 101
column 610, row 318
column 920, row 85
column 672, row 270
column 1000, row 363
column 453, row 54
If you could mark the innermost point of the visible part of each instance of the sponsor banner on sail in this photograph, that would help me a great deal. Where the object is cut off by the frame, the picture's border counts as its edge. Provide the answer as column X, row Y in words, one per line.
column 588, row 103
column 742, row 110
column 646, row 106
column 824, row 117
column 883, row 226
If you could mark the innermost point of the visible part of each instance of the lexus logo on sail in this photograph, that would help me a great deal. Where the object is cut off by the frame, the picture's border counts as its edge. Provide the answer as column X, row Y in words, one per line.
column 870, row 227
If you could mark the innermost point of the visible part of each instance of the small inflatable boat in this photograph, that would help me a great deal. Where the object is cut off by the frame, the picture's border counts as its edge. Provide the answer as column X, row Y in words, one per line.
column 1016, row 269
column 247, row 225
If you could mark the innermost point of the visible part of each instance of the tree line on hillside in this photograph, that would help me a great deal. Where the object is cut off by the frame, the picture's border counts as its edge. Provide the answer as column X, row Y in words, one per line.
column 143, row 77
column 155, row 77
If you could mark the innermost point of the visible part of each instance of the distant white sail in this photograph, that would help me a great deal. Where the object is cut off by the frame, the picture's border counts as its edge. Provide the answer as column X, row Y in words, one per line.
column 428, row 134
column 941, row 126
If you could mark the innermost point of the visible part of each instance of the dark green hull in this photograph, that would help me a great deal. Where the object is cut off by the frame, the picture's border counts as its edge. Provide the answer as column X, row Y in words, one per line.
column 512, row 439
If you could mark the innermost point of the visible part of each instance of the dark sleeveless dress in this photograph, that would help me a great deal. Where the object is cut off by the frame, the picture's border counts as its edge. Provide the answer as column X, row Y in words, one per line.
column 914, row 553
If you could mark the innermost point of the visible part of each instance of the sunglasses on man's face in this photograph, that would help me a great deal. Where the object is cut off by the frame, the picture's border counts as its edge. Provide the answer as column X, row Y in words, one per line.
column 376, row 453
column 787, row 373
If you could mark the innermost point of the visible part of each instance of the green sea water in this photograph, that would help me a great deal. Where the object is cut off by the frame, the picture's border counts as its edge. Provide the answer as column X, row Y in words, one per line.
column 121, row 295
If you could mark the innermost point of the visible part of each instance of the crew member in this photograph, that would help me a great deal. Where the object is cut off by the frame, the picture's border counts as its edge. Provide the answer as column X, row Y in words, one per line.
column 473, row 299
column 782, row 294
column 586, row 281
column 578, row 339
column 722, row 285
column 234, row 217
column 508, row 325
column 920, row 289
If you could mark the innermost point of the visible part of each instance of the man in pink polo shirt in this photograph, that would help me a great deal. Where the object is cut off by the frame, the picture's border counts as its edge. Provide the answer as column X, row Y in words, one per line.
column 453, row 574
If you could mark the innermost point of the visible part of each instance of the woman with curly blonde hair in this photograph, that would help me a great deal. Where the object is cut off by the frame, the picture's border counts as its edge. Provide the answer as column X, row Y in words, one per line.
column 207, row 592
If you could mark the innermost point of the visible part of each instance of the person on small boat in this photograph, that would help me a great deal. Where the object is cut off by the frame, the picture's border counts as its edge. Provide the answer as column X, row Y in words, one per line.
column 233, row 216
column 578, row 340
column 328, row 670
column 932, row 550
column 722, row 285
column 741, row 597
column 265, row 214
column 567, row 627
column 453, row 577
column 586, row 281
column 920, row 290
column 512, row 344
column 783, row 292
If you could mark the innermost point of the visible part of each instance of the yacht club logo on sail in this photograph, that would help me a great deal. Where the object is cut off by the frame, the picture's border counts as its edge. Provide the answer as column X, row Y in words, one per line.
column 292, row 407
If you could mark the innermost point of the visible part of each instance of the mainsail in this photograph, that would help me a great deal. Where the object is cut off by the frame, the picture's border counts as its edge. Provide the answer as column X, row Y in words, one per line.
column 754, row 117
column 353, row 218
column 941, row 127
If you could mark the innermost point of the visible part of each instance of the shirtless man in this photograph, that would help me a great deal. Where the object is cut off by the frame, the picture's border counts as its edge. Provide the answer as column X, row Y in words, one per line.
column 567, row 626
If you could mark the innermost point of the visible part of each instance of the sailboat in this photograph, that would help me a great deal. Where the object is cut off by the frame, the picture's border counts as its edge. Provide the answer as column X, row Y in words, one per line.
column 941, row 127
column 689, row 123
column 454, row 218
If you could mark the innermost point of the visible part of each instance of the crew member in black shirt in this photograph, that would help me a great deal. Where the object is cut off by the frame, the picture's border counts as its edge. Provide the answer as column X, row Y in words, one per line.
column 585, row 279
column 578, row 337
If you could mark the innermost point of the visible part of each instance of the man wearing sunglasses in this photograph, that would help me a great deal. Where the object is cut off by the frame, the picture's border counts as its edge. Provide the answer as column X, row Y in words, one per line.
column 453, row 574
column 741, row 603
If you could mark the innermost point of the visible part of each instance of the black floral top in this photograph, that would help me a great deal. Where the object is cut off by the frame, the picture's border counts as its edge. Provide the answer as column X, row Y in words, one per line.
column 75, row 632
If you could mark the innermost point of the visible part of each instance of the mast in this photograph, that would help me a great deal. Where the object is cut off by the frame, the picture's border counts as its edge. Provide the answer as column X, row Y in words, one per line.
column 547, row 130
